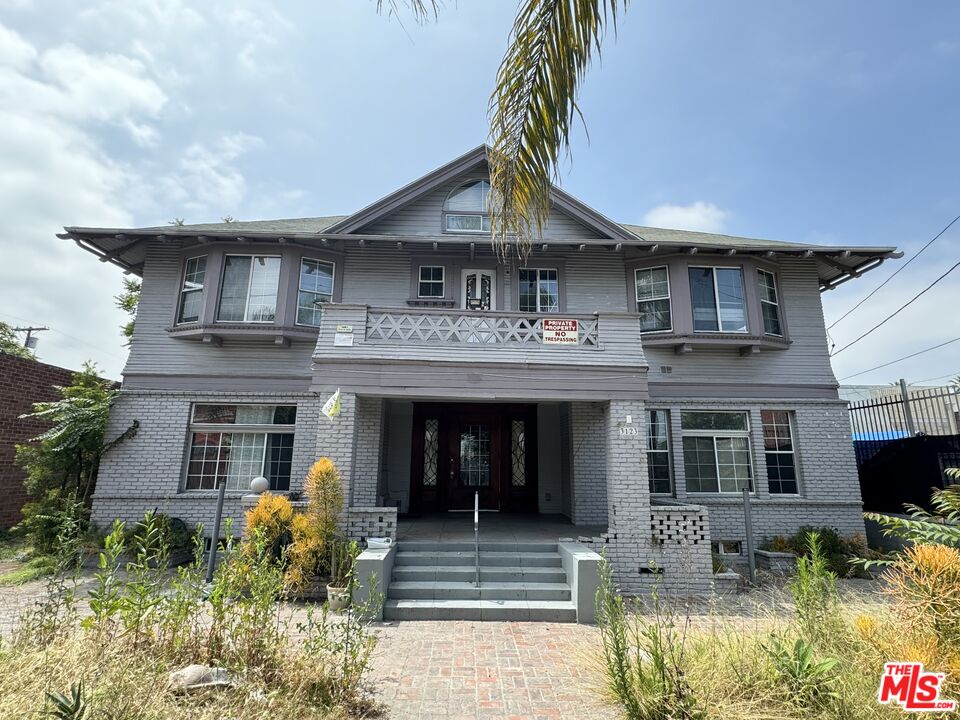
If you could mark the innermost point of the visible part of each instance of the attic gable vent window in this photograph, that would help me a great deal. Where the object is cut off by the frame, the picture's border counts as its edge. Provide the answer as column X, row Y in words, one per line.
column 467, row 209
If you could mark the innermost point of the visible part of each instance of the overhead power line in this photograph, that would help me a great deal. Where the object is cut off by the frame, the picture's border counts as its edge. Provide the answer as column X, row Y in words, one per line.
column 898, row 271
column 955, row 373
column 905, row 357
column 897, row 311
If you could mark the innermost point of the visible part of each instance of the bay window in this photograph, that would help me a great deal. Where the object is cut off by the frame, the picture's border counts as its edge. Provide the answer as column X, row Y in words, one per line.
column 779, row 452
column 653, row 299
column 233, row 444
column 315, row 287
column 769, row 303
column 249, row 291
column 539, row 290
column 191, row 292
column 716, row 451
column 717, row 298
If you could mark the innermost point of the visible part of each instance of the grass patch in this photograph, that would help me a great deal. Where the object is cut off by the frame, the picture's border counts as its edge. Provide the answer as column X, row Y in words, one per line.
column 35, row 568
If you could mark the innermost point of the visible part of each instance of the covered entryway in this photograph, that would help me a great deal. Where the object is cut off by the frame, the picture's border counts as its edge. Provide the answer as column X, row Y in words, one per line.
column 463, row 449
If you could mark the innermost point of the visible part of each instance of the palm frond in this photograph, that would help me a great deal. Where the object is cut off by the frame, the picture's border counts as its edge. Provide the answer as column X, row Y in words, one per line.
column 422, row 10
column 534, row 106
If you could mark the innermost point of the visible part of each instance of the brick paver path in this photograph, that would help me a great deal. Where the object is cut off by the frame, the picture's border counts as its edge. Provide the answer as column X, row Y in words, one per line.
column 433, row 670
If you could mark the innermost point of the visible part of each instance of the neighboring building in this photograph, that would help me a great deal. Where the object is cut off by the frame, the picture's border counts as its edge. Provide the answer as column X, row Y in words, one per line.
column 23, row 382
column 626, row 377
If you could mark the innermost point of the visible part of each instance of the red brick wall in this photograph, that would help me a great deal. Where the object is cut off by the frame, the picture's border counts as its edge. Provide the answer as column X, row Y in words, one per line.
column 22, row 383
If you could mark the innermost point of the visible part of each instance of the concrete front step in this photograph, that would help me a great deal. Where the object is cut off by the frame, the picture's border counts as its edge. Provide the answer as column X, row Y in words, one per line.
column 534, row 610
column 468, row 546
column 467, row 573
column 440, row 590
column 487, row 558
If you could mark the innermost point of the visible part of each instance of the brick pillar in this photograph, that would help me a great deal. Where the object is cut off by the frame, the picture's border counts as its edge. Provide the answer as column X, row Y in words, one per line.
column 335, row 438
column 628, row 488
column 588, row 485
column 368, row 445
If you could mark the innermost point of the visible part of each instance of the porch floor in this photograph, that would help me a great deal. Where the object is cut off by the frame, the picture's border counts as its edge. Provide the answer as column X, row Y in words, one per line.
column 497, row 527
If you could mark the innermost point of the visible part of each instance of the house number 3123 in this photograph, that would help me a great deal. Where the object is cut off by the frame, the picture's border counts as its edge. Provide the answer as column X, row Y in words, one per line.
column 629, row 430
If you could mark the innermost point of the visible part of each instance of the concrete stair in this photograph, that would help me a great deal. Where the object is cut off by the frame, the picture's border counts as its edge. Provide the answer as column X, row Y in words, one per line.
column 518, row 581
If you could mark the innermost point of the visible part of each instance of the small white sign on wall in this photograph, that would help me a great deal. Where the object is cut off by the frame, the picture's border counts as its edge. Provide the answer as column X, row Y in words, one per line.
column 343, row 339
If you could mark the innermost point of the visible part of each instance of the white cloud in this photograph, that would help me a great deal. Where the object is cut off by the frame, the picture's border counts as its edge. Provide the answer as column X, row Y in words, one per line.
column 15, row 52
column 701, row 216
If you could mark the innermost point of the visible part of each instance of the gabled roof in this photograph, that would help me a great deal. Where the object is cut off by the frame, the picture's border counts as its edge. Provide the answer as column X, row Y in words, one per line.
column 125, row 247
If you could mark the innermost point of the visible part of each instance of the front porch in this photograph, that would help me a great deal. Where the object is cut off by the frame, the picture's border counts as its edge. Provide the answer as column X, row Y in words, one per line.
column 494, row 527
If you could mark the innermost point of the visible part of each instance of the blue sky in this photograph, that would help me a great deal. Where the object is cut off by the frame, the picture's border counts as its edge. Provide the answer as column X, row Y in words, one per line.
column 813, row 122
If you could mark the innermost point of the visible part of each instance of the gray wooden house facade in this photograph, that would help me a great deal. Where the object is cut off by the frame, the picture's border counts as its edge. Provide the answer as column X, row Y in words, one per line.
column 626, row 377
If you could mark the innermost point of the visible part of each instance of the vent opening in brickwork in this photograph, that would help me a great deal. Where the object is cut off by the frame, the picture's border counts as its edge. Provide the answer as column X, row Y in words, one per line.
column 647, row 570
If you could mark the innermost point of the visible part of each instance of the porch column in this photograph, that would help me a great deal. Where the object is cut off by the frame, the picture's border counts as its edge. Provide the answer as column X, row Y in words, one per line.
column 368, row 448
column 628, row 488
column 335, row 437
column 588, row 486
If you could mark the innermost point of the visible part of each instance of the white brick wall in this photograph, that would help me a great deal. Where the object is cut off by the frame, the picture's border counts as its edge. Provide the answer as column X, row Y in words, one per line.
column 369, row 437
column 588, row 484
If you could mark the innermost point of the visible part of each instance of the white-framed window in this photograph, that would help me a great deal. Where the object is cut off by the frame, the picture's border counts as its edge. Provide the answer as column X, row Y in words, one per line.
column 658, row 452
column 653, row 299
column 431, row 281
column 716, row 451
column 780, row 452
column 249, row 290
column 236, row 443
column 315, row 287
column 191, row 292
column 467, row 208
column 770, row 303
column 539, row 290
column 716, row 294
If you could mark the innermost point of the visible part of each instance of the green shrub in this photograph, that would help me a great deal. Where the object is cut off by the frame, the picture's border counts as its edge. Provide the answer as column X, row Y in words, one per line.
column 839, row 552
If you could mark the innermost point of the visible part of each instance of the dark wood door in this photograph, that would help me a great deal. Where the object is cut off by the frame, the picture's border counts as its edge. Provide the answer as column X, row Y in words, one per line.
column 460, row 449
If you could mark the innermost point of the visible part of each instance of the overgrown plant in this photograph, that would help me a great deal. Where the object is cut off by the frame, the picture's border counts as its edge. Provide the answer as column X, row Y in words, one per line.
column 814, row 592
column 64, row 707
column 810, row 682
column 940, row 526
column 314, row 532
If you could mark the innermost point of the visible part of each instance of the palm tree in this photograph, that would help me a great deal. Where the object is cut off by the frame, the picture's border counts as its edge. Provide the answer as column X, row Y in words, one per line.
column 533, row 104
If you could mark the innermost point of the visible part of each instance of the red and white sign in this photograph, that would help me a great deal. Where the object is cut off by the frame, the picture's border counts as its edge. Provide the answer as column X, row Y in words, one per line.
column 913, row 689
column 560, row 332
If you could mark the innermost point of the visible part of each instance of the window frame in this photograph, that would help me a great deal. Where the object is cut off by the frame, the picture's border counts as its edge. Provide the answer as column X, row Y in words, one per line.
column 668, row 452
column 714, row 435
column 538, row 270
column 483, row 214
column 777, row 305
column 183, row 290
column 333, row 287
column 443, row 282
column 716, row 300
column 792, row 425
column 668, row 298
column 226, row 428
column 223, row 270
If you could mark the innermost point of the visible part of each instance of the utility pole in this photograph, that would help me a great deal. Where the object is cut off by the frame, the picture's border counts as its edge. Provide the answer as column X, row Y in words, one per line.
column 30, row 342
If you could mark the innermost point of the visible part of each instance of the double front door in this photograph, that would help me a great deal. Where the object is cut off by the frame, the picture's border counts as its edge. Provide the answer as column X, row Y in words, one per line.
column 463, row 450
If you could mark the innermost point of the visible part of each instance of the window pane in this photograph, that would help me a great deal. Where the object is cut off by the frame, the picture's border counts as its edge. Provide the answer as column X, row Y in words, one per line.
column 316, row 286
column 215, row 413
column 471, row 197
column 654, row 315
column 658, row 467
column 652, row 284
column 713, row 421
column 776, row 430
column 262, row 305
column 733, row 458
column 768, row 288
column 658, row 455
column 431, row 282
column 771, row 319
column 468, row 223
column 431, row 449
column 245, row 414
column 245, row 459
column 279, row 461
column 190, row 303
column 191, row 294
column 549, row 291
column 658, row 430
column 518, row 453
column 704, row 300
column 207, row 460
column 699, row 464
column 733, row 316
column 233, row 295
column 528, row 290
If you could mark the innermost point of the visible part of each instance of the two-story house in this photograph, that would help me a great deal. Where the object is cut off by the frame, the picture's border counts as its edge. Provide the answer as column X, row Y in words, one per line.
column 632, row 378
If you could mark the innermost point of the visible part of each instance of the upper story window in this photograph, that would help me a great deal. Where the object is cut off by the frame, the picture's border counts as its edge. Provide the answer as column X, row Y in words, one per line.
column 191, row 293
column 718, row 300
column 539, row 290
column 653, row 299
column 467, row 209
column 769, row 303
column 316, row 286
column 430, row 282
column 249, row 292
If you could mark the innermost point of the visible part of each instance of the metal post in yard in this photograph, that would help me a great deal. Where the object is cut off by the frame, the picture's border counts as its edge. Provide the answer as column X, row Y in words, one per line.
column 907, row 412
column 748, row 525
column 215, row 538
